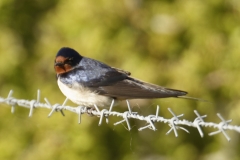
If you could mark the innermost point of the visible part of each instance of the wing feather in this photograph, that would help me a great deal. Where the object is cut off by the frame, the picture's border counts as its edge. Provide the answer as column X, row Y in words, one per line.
column 118, row 84
column 131, row 88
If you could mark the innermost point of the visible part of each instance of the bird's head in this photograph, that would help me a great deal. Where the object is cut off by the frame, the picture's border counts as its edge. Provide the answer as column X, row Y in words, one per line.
column 66, row 60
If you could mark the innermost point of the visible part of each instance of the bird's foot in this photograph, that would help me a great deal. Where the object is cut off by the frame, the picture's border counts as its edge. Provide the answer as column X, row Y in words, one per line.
column 90, row 110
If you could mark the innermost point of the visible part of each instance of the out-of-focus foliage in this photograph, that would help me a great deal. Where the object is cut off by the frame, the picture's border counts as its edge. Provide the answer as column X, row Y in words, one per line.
column 191, row 45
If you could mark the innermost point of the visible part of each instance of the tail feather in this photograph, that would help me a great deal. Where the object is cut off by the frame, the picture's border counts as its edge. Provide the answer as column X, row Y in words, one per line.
column 193, row 98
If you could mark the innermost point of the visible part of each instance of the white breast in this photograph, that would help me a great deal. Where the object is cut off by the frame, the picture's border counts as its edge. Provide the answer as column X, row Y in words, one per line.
column 83, row 96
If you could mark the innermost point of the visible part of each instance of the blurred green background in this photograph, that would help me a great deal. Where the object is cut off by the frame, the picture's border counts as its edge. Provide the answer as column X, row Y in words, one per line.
column 191, row 45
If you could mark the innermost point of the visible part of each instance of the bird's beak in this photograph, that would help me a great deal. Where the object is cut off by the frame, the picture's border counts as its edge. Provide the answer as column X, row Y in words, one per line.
column 60, row 65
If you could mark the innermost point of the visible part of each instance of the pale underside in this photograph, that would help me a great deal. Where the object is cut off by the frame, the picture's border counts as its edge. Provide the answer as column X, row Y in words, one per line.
column 83, row 96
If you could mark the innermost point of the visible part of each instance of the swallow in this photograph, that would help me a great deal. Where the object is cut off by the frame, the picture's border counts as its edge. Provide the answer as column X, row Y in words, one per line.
column 89, row 82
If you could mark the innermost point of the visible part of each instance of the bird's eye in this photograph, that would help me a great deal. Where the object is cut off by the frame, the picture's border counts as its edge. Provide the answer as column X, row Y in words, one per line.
column 69, row 61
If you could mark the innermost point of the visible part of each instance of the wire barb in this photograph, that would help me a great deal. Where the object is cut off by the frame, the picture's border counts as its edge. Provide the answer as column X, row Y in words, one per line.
column 150, row 120
column 175, row 122
column 80, row 108
column 125, row 119
column 197, row 122
column 221, row 127
column 103, row 113
column 8, row 101
column 129, row 107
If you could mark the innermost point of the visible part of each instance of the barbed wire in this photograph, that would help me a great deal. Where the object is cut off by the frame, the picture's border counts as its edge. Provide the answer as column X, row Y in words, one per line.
column 175, row 123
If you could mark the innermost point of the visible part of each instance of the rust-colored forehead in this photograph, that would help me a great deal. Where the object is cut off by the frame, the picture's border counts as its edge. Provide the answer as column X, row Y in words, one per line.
column 60, row 59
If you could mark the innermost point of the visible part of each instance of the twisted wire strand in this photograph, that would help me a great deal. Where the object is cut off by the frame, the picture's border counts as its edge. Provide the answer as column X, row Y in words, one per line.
column 175, row 122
